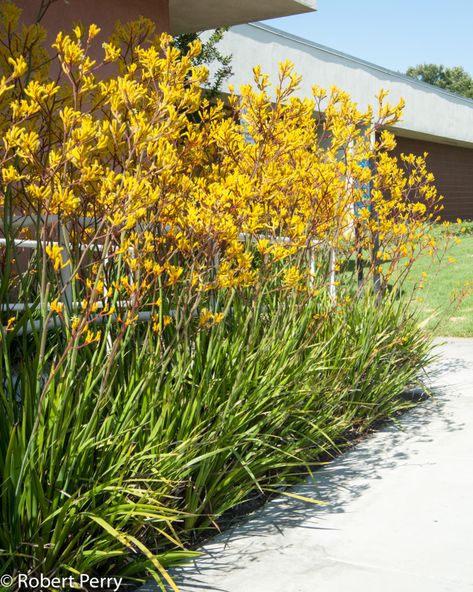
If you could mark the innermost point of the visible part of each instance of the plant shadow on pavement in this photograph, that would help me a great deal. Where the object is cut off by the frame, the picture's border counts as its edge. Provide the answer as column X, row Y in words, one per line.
column 336, row 484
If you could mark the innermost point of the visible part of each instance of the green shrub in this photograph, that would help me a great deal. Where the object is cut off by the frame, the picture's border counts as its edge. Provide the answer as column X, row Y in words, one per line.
column 105, row 461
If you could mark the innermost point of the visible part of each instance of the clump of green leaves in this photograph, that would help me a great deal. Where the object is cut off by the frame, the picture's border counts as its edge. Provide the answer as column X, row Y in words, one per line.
column 210, row 55
column 455, row 79
column 115, row 462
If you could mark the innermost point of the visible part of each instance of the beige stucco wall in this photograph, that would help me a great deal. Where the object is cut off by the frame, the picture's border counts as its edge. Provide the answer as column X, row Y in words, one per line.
column 61, row 14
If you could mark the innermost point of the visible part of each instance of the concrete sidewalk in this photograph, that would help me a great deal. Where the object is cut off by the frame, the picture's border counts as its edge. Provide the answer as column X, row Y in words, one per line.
column 399, row 514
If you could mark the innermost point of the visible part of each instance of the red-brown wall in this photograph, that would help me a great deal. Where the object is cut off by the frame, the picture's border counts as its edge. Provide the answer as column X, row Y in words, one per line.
column 453, row 170
column 61, row 15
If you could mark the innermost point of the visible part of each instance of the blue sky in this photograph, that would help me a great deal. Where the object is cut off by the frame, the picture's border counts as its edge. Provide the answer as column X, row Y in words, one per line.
column 394, row 34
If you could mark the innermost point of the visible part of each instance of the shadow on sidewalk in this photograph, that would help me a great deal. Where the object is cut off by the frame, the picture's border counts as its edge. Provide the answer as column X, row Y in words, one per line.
column 339, row 482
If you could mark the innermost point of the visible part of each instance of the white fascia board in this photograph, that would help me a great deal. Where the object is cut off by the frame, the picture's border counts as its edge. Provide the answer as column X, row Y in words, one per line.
column 188, row 16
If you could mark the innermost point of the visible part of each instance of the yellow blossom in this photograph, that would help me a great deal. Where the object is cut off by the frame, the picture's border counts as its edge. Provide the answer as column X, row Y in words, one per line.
column 10, row 324
column 56, row 306
column 292, row 277
column 207, row 317
column 54, row 252
column 11, row 175
column 92, row 337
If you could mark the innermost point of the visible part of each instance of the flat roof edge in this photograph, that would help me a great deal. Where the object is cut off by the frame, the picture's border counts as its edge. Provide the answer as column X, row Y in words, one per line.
column 311, row 4
column 227, row 13
column 402, row 132
column 360, row 61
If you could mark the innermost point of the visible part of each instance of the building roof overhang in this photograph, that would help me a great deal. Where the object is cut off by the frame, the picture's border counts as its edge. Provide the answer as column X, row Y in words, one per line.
column 190, row 16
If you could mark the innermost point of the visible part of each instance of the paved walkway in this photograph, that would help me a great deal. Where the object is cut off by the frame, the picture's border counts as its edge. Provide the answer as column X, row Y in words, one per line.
column 399, row 516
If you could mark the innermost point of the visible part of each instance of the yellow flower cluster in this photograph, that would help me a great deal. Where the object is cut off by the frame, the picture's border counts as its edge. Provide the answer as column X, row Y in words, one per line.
column 163, row 193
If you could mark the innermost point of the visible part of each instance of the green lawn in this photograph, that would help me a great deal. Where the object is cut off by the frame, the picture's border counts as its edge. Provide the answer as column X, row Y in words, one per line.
column 445, row 302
